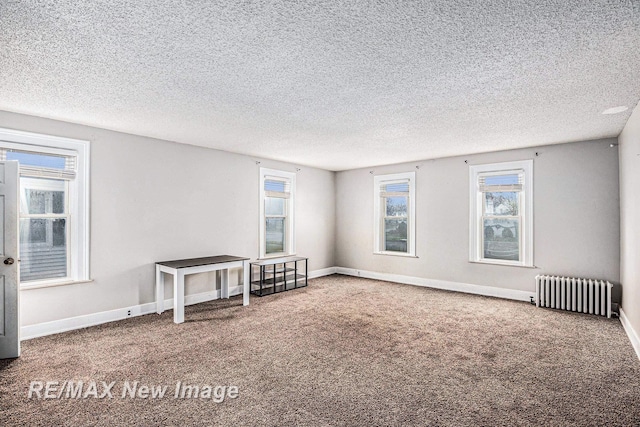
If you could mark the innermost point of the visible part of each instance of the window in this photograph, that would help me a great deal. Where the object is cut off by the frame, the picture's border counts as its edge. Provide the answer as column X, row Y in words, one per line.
column 394, row 214
column 277, row 202
column 501, row 213
column 53, row 226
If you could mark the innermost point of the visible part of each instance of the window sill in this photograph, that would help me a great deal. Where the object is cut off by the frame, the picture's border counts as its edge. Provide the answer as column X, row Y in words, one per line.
column 51, row 283
column 400, row 254
column 504, row 264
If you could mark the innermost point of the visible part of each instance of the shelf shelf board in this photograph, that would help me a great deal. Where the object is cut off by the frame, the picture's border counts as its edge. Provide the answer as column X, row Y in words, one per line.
column 278, row 280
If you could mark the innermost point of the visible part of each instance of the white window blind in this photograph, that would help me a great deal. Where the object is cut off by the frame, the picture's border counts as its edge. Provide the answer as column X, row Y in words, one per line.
column 510, row 181
column 35, row 164
column 277, row 187
column 395, row 189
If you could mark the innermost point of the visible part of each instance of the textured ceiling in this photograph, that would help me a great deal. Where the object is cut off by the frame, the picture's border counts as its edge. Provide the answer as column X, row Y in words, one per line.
column 336, row 85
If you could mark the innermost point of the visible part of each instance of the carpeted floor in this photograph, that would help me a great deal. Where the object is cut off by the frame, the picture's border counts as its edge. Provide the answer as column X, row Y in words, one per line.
column 343, row 351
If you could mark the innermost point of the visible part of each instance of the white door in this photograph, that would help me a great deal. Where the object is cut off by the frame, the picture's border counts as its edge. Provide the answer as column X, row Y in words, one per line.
column 9, row 294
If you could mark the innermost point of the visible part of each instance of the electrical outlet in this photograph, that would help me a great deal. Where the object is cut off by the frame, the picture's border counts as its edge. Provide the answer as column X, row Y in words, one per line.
column 128, row 312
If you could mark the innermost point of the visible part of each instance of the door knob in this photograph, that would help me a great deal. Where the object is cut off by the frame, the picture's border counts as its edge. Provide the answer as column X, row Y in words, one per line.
column 9, row 261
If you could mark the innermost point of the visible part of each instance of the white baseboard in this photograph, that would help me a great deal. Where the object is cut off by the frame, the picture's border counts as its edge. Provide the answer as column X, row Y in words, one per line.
column 322, row 272
column 468, row 288
column 79, row 322
column 631, row 333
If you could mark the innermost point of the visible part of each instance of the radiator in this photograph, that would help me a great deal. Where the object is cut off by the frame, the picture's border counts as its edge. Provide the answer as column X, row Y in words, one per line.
column 572, row 294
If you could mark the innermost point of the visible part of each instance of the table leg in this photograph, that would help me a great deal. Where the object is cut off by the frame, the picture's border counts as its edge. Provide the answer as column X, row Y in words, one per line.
column 159, row 290
column 224, row 283
column 178, row 297
column 245, row 283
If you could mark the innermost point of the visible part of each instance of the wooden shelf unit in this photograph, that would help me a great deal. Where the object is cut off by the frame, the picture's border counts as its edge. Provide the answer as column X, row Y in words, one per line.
column 269, row 276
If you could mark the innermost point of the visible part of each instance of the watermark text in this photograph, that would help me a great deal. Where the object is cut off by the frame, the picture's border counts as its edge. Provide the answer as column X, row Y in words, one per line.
column 79, row 389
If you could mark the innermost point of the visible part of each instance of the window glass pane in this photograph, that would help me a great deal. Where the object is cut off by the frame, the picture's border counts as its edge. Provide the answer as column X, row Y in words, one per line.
column 501, row 239
column 43, row 248
column 36, row 159
column 274, row 206
column 32, row 231
column 59, row 232
column 501, row 203
column 34, row 201
column 42, row 196
column 395, row 234
column 274, row 235
column 57, row 202
column 501, row 179
column 396, row 206
column 43, row 202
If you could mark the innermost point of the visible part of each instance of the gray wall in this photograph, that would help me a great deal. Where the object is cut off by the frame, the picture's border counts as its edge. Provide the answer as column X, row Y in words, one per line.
column 576, row 217
column 630, row 218
column 154, row 200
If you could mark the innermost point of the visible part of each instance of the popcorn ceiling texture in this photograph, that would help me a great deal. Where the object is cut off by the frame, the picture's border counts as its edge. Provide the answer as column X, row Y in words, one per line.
column 336, row 85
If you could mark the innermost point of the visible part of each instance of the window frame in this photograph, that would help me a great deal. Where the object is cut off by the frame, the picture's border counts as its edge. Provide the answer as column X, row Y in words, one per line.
column 525, row 210
column 289, row 241
column 78, row 201
column 379, row 216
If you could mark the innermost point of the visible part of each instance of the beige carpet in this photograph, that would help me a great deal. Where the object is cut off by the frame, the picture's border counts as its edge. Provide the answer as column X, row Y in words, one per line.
column 343, row 351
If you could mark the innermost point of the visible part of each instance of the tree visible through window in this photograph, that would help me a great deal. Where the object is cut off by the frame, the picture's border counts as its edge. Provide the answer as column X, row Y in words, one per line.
column 275, row 212
column 501, row 222
column 396, row 217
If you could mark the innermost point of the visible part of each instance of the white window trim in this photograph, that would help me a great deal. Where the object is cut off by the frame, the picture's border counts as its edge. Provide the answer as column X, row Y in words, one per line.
column 475, row 213
column 290, row 243
column 79, row 204
column 411, row 214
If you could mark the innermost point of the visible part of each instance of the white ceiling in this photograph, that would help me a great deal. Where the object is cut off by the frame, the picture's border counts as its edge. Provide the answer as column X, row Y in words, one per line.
column 336, row 85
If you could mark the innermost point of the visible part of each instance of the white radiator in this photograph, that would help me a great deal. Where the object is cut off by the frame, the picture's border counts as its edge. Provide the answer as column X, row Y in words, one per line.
column 573, row 294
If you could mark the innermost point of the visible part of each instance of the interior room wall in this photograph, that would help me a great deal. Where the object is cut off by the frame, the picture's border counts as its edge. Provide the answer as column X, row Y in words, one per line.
column 576, row 217
column 629, row 149
column 154, row 200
